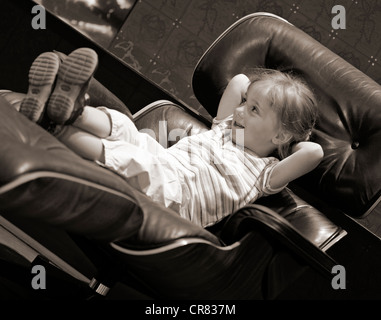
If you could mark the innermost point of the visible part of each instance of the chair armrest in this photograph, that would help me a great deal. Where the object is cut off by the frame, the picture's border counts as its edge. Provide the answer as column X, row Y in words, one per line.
column 256, row 217
column 168, row 122
column 307, row 219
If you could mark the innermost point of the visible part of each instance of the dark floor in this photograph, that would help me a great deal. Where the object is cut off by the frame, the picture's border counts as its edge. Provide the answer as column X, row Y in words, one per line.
column 20, row 44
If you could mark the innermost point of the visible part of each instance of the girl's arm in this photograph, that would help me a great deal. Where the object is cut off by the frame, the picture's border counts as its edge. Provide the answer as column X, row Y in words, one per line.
column 305, row 157
column 232, row 96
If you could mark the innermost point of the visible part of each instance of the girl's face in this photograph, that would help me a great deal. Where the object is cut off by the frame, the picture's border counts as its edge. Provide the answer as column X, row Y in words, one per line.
column 255, row 125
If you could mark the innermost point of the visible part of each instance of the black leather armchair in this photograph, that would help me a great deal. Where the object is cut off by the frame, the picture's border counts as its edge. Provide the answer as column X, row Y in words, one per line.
column 95, row 228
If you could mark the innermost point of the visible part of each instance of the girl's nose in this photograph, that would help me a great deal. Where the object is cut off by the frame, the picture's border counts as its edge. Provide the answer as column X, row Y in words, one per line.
column 240, row 110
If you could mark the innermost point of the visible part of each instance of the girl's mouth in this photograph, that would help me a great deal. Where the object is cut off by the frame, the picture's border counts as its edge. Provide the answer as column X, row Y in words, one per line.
column 236, row 124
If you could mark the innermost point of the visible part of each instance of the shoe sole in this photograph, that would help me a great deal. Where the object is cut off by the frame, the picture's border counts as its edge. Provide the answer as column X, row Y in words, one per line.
column 72, row 79
column 42, row 75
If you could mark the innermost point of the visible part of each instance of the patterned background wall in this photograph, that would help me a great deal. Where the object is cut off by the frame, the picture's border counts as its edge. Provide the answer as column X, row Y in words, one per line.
column 164, row 39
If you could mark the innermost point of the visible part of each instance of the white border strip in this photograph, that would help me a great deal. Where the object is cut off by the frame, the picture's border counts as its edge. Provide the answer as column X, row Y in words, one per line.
column 152, row 105
column 176, row 244
column 367, row 212
column 333, row 241
column 159, row 103
column 48, row 174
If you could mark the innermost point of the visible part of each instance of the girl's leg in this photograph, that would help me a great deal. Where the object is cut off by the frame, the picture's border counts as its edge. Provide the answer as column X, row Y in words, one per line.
column 84, row 137
column 94, row 121
column 87, row 134
column 83, row 143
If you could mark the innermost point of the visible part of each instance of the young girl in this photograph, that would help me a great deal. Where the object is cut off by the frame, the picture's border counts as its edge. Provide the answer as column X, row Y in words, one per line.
column 204, row 177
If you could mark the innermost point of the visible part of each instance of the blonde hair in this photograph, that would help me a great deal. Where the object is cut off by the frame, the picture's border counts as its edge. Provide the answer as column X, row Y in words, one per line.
column 294, row 103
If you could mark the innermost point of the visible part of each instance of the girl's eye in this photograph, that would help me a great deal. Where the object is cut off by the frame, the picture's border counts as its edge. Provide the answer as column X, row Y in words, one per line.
column 243, row 100
column 254, row 109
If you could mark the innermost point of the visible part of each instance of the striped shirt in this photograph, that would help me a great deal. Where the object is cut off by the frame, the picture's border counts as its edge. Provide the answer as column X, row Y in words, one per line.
column 218, row 177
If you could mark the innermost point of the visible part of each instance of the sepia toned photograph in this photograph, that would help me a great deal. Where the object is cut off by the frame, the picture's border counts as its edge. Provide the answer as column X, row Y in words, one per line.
column 190, row 157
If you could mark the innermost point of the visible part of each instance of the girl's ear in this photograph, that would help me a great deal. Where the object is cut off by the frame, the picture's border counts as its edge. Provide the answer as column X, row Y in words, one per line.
column 281, row 138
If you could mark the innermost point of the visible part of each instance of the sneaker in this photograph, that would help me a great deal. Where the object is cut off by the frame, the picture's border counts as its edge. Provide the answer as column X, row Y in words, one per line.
column 42, row 75
column 67, row 100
